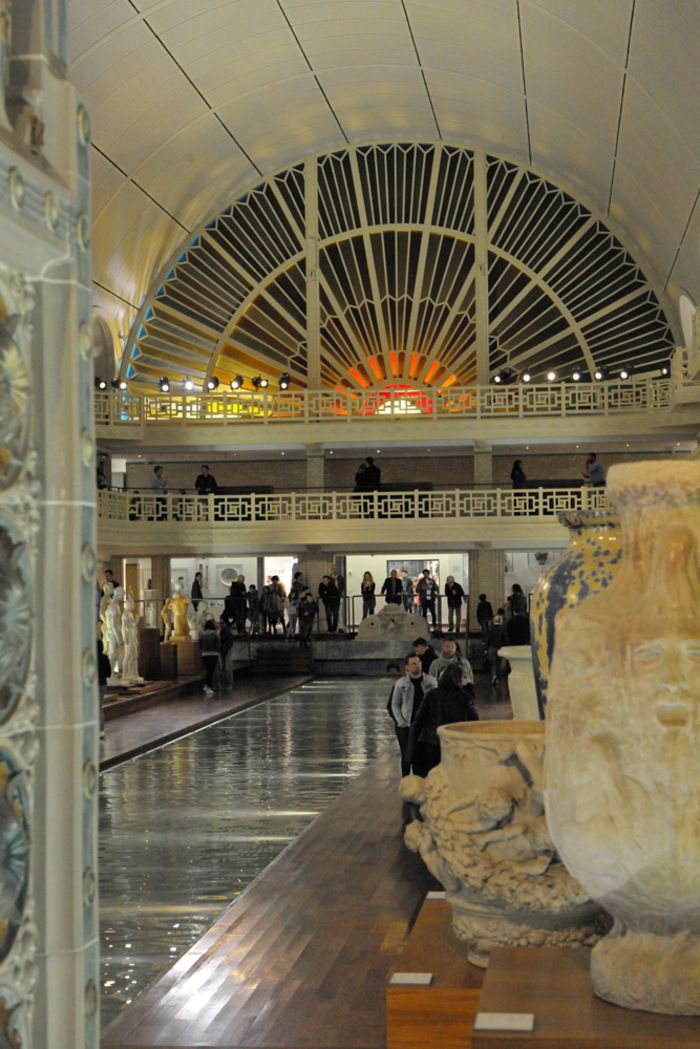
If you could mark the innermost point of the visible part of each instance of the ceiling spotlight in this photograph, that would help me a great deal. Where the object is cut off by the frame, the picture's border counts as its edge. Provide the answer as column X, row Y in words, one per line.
column 284, row 381
column 601, row 373
column 551, row 376
column 188, row 384
column 118, row 384
column 164, row 384
column 260, row 383
column 100, row 384
column 625, row 373
column 664, row 370
column 236, row 382
column 498, row 379
column 212, row 383
column 576, row 375
column 526, row 376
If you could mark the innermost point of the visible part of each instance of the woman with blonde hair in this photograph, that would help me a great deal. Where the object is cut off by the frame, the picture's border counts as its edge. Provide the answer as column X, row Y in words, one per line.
column 369, row 601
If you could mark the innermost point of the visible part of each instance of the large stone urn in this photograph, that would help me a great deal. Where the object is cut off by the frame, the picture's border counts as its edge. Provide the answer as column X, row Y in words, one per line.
column 623, row 744
column 587, row 567
column 484, row 837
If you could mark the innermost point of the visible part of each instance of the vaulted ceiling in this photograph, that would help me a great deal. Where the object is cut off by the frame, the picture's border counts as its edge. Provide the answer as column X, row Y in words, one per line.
column 193, row 100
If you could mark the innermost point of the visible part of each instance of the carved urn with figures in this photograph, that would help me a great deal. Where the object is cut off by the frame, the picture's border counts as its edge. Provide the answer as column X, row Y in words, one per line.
column 623, row 744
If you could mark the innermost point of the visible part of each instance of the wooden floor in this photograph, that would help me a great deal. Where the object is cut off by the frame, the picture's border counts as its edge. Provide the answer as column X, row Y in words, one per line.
column 303, row 956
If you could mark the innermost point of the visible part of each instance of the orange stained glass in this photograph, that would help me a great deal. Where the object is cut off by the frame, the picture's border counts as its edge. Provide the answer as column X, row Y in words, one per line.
column 449, row 381
column 432, row 372
column 394, row 360
column 416, row 360
column 376, row 367
column 358, row 377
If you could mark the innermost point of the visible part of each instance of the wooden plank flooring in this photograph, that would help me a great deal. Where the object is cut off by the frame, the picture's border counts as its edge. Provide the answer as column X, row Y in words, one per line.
column 303, row 956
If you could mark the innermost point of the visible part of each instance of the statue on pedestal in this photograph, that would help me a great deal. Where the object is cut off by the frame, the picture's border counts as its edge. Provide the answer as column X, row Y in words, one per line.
column 111, row 616
column 130, row 670
column 176, row 605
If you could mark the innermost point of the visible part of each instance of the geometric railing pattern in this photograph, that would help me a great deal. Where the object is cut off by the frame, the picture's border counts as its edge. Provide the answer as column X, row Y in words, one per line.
column 381, row 264
column 126, row 409
column 306, row 507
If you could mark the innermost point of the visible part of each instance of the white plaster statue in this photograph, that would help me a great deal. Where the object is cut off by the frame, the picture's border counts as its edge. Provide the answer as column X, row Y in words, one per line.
column 393, row 623
column 199, row 618
column 623, row 743
column 484, row 837
column 113, row 640
column 130, row 634
column 176, row 606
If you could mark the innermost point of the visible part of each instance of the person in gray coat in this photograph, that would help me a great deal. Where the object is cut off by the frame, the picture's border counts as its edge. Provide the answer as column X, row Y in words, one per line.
column 448, row 657
column 406, row 697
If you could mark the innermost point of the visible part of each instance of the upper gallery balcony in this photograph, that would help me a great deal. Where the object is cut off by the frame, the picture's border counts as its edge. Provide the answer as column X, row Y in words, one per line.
column 185, row 522
column 519, row 411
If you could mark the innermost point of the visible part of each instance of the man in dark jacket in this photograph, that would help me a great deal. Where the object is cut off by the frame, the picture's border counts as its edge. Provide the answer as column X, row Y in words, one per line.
column 330, row 595
column 205, row 482
column 196, row 590
column 450, row 702
column 371, row 477
column 455, row 595
column 425, row 652
column 428, row 592
column 484, row 616
column 392, row 588
column 235, row 605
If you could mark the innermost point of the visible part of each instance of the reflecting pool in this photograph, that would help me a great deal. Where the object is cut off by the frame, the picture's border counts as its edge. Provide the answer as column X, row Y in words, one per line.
column 185, row 828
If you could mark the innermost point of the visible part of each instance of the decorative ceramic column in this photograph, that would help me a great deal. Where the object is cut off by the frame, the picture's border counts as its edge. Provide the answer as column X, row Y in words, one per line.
column 48, row 689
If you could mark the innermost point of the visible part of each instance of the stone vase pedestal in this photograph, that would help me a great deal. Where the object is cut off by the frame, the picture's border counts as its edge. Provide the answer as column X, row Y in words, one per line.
column 623, row 744
column 521, row 682
column 484, row 837
column 587, row 567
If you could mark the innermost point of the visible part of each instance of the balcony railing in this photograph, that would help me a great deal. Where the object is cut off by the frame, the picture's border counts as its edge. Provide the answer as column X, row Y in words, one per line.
column 304, row 507
column 122, row 409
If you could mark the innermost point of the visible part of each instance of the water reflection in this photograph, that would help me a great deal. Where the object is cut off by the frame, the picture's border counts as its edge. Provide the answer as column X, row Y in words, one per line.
column 184, row 829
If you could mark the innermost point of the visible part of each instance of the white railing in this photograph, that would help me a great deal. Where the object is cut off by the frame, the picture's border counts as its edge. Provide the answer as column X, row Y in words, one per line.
column 287, row 507
column 121, row 409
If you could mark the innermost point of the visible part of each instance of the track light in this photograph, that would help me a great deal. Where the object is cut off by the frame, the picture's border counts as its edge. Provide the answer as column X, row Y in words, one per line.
column 236, row 382
column 664, row 370
column 625, row 373
column 498, row 379
column 284, row 381
column 504, row 375
column 118, row 384
column 526, row 377
column 260, row 383
column 164, row 384
column 551, row 376
column 576, row 375
column 100, row 384
column 212, row 383
column 188, row 384
column 600, row 373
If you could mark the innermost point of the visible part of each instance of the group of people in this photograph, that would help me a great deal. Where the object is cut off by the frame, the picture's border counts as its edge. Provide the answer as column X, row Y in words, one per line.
column 423, row 593
column 434, row 690
column 509, row 626
column 594, row 473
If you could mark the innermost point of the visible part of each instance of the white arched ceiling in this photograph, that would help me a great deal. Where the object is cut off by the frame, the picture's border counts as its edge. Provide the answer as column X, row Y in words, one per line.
column 191, row 102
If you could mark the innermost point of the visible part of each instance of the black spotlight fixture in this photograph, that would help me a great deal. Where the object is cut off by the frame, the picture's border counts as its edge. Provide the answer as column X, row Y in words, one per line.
column 284, row 381
column 188, row 385
column 664, row 370
column 259, row 383
column 118, row 384
column 601, row 373
column 212, row 383
column 236, row 382
column 625, row 373
column 164, row 384
column 100, row 383
column 576, row 375
column 504, row 376
column 526, row 377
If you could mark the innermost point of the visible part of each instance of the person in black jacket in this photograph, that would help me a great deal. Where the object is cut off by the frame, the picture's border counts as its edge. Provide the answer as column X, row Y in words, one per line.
column 209, row 649
column 454, row 593
column 517, row 474
column 196, row 591
column 451, row 701
column 425, row 652
column 330, row 595
column 372, row 475
column 235, row 605
column 484, row 616
column 392, row 588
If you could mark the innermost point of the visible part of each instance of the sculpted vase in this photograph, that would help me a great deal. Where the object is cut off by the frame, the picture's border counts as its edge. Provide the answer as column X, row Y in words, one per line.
column 623, row 744
column 484, row 837
column 587, row 567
